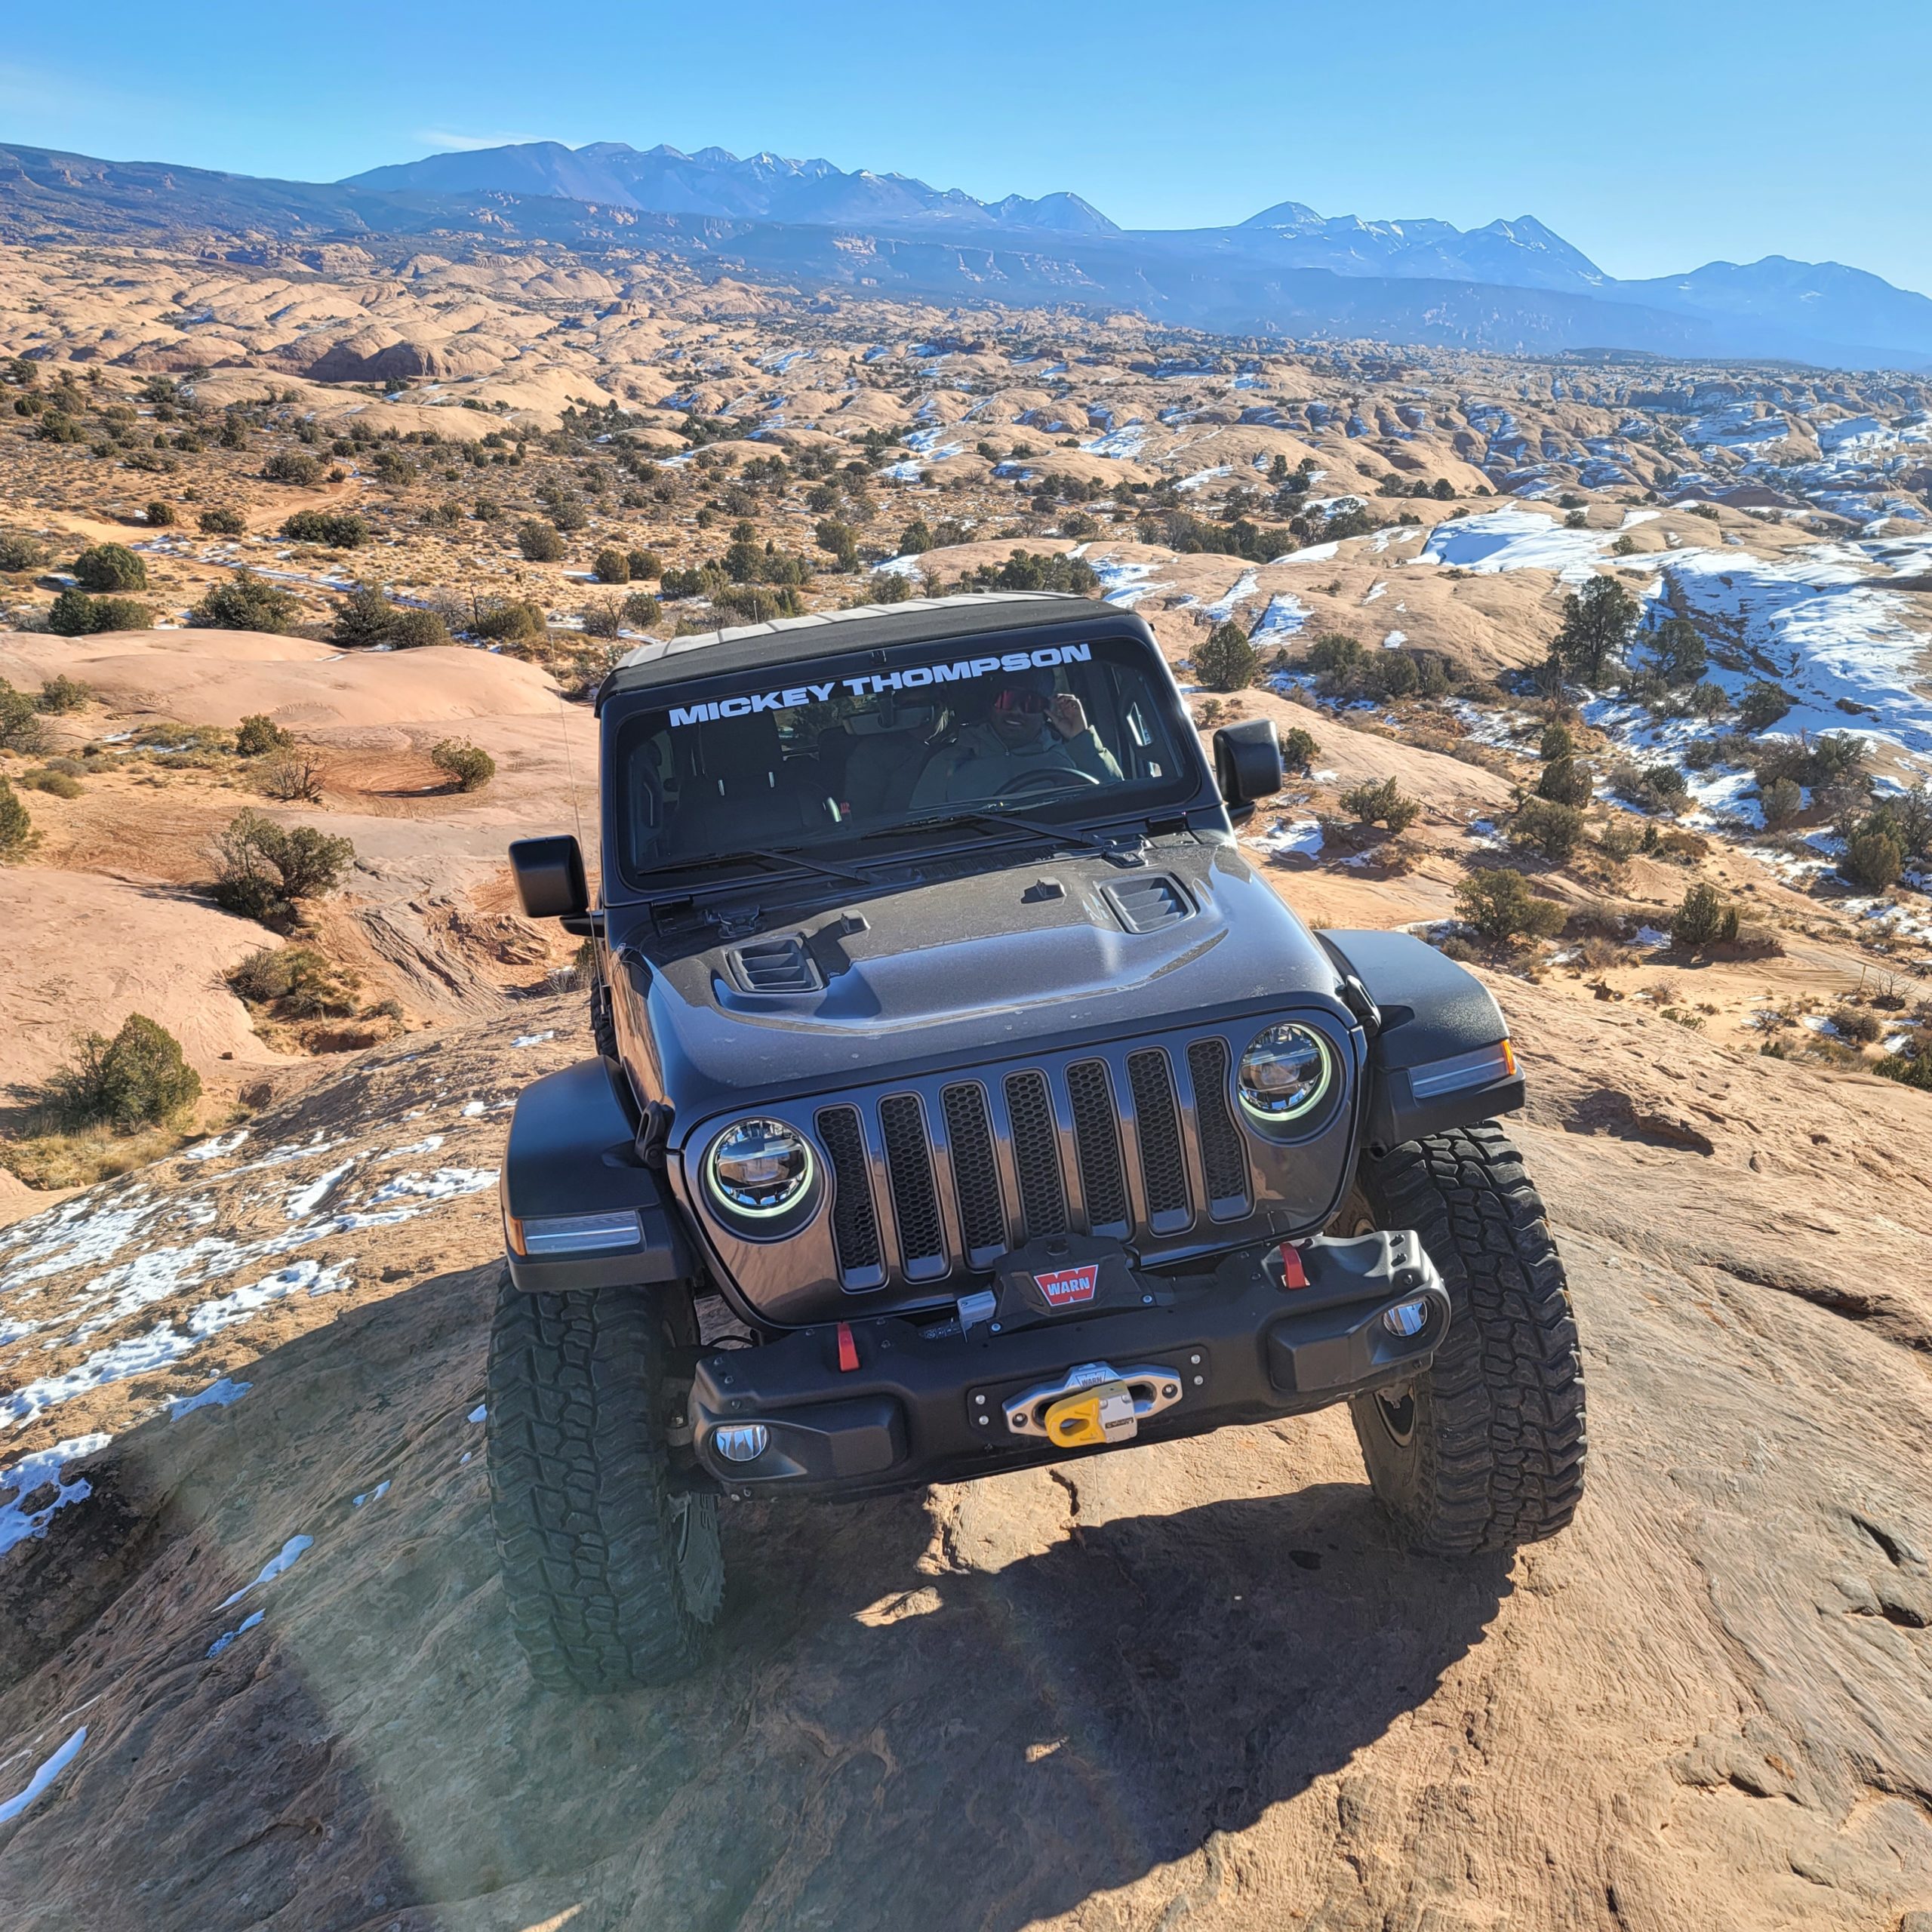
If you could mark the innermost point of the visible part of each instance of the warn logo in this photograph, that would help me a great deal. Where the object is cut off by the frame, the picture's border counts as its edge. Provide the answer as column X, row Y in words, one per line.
column 1070, row 1285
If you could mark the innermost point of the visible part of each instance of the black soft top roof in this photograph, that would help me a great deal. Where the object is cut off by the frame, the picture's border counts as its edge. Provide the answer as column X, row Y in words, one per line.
column 873, row 626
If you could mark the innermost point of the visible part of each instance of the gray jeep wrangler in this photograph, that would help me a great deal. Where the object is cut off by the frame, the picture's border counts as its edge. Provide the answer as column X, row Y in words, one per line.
column 963, row 1099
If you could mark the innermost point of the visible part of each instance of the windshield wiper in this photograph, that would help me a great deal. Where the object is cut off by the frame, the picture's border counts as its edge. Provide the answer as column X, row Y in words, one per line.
column 773, row 857
column 1040, row 828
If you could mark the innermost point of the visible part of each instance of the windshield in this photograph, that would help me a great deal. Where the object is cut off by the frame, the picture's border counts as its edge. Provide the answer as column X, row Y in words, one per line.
column 805, row 755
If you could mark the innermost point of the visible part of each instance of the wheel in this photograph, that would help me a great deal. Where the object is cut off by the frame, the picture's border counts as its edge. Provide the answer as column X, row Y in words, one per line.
column 612, row 1580
column 1485, row 1450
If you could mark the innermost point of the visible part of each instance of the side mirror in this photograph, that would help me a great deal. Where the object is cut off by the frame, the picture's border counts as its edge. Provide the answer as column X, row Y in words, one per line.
column 550, row 878
column 1247, row 764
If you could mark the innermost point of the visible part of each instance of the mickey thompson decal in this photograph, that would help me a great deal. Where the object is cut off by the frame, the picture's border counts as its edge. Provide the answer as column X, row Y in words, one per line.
column 962, row 670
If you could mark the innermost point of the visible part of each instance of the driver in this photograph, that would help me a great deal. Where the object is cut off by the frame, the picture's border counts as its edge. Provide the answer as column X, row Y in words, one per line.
column 1030, row 729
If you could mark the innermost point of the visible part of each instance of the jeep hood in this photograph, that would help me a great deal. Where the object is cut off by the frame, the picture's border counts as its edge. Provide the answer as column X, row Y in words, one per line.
column 954, row 971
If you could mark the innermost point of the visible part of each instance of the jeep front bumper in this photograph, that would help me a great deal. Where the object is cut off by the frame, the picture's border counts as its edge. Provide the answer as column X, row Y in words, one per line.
column 858, row 1407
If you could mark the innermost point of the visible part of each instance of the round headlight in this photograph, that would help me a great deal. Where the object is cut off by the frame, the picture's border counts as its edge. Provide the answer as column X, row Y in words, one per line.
column 1284, row 1073
column 760, row 1166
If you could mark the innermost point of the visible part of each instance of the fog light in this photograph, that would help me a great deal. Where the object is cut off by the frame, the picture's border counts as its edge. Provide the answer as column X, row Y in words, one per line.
column 741, row 1442
column 1406, row 1317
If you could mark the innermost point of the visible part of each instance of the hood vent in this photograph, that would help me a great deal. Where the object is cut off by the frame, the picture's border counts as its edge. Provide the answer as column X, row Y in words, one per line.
column 1149, row 905
column 775, row 966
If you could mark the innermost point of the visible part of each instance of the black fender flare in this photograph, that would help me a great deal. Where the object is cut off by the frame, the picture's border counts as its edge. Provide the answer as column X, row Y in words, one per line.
column 1439, row 1055
column 573, row 1150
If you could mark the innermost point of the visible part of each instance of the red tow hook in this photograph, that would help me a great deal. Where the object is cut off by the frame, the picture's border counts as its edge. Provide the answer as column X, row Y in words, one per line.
column 848, row 1350
column 1293, row 1274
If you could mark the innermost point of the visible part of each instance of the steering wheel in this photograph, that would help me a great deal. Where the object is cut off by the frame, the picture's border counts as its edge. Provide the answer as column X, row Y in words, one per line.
column 1048, row 778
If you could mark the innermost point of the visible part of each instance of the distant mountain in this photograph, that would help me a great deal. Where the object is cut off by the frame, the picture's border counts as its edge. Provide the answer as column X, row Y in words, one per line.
column 761, row 187
column 1521, row 254
column 1513, row 286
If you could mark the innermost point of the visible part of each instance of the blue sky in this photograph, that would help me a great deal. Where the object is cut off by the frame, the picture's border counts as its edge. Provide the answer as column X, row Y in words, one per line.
column 1655, row 137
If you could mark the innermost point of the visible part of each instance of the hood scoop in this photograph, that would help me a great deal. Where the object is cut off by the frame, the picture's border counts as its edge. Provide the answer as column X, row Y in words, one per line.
column 780, row 965
column 1149, row 905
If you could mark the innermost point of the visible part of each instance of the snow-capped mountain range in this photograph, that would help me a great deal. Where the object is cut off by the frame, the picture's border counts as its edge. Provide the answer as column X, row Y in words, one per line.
column 1514, row 286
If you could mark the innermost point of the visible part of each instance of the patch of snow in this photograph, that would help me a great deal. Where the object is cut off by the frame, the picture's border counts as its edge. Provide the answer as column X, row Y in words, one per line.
column 284, row 1559
column 1301, row 835
column 213, row 1150
column 1222, row 608
column 477, row 1414
column 1515, row 539
column 44, row 1776
column 1394, row 639
column 216, row 1395
column 227, row 1311
column 533, row 1039
column 1285, row 615
column 40, row 1470
column 375, row 1495
column 427, row 1145
column 247, row 1624
column 1202, row 477
column 1312, row 553
column 134, row 1354
column 304, row 1201
column 444, row 1185
column 470, row 1108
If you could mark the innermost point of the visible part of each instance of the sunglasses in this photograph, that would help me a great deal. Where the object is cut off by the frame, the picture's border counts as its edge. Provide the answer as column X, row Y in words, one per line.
column 1028, row 704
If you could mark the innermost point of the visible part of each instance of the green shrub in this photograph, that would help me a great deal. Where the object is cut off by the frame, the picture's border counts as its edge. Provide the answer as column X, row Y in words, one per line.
column 136, row 1079
column 296, row 980
column 20, row 727
column 1299, row 749
column 262, row 870
column 1762, row 705
column 1498, row 903
column 511, row 622
column 1854, row 1023
column 1704, row 918
column 645, row 566
column 59, row 784
column 258, row 733
column 295, row 467
column 469, row 765
column 339, row 530
column 1558, row 742
column 417, row 630
column 109, row 567
column 1874, row 856
column 219, row 522
column 21, row 552
column 74, row 613
column 61, row 694
column 916, row 538
column 541, row 542
column 1333, row 652
column 363, row 618
column 611, row 565
column 161, row 514
column 1563, row 782
column 641, row 610
column 16, row 825
column 1227, row 662
column 245, row 602
column 1915, row 1070
column 1383, row 803
column 1782, row 800
column 1553, row 828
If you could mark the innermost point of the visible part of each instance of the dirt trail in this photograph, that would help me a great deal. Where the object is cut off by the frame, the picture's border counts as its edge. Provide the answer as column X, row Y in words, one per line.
column 1189, row 1683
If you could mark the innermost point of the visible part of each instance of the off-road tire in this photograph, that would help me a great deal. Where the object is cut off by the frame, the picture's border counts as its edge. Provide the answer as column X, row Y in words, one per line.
column 1485, row 1450
column 611, row 1579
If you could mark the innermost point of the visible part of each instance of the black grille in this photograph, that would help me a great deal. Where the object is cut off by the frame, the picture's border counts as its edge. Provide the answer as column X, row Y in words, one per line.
column 1096, row 1135
column 854, row 1224
column 1222, row 1155
column 1161, row 1168
column 1036, row 1155
column 908, row 1162
column 975, row 1172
